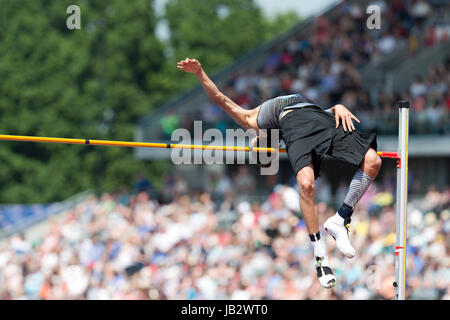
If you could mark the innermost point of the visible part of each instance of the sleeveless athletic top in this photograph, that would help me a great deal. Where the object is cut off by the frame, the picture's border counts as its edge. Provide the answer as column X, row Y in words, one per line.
column 270, row 112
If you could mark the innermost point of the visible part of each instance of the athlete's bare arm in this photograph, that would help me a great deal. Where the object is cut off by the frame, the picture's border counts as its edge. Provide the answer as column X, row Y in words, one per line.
column 245, row 118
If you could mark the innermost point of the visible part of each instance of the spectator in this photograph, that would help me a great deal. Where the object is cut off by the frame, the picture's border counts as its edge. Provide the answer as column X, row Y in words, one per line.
column 107, row 249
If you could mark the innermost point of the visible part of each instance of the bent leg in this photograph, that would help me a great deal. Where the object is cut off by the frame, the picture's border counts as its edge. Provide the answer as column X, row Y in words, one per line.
column 337, row 226
column 362, row 180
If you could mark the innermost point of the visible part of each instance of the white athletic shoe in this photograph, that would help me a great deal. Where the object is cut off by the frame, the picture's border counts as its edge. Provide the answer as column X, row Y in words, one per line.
column 326, row 277
column 338, row 228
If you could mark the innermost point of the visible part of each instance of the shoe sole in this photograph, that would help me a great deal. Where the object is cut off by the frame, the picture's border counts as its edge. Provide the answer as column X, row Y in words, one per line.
column 331, row 285
column 346, row 255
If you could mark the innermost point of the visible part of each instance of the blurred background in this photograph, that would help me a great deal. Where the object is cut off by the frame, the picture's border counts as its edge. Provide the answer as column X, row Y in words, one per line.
column 86, row 222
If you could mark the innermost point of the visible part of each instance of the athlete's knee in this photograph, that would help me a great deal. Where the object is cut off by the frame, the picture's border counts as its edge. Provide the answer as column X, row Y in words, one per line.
column 307, row 188
column 372, row 161
column 378, row 162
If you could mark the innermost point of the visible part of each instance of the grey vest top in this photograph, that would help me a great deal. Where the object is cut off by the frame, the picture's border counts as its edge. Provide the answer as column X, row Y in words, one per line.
column 270, row 112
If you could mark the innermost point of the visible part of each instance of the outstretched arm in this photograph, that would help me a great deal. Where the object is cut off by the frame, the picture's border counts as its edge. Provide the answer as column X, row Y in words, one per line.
column 240, row 115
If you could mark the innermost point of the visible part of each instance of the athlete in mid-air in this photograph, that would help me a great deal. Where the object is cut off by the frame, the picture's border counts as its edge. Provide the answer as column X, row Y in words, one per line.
column 309, row 132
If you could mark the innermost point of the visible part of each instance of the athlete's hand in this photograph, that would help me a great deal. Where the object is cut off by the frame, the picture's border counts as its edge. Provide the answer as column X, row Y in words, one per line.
column 190, row 65
column 342, row 114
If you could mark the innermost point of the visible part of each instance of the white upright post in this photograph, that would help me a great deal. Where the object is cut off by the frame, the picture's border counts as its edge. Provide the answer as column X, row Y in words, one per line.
column 402, row 198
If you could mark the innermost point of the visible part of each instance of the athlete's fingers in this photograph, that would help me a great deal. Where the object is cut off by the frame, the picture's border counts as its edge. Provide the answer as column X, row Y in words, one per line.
column 353, row 125
column 344, row 124
column 337, row 121
column 350, row 124
column 349, row 127
column 356, row 119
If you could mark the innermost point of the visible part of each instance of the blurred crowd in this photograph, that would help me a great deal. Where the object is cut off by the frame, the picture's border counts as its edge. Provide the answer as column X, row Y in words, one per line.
column 121, row 246
column 324, row 66
column 430, row 105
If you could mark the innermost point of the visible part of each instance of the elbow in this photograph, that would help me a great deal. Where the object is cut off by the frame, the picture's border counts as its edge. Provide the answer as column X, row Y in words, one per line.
column 248, row 121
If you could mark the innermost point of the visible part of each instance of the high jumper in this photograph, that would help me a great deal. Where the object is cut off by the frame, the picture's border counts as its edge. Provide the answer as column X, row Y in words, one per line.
column 310, row 132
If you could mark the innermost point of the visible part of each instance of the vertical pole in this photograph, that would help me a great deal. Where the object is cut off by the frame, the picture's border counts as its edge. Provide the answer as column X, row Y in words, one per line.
column 402, row 194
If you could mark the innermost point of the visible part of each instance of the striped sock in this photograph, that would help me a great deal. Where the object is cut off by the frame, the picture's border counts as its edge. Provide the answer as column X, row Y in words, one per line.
column 359, row 185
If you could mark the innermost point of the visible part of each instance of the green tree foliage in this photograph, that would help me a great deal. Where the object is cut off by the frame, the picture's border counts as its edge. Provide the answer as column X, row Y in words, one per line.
column 213, row 31
column 57, row 82
column 216, row 32
column 280, row 23
column 201, row 27
column 98, row 81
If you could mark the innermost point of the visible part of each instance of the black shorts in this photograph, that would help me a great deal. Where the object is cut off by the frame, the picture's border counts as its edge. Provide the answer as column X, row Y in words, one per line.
column 310, row 133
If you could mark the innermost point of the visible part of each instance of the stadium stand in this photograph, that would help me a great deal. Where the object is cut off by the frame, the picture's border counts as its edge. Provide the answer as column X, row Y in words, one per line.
column 131, row 246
